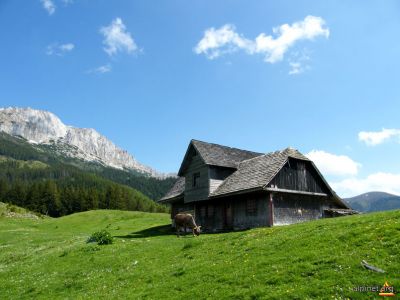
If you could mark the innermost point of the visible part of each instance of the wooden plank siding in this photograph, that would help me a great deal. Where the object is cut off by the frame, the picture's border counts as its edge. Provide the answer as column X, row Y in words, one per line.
column 299, row 176
column 218, row 175
column 214, row 216
column 201, row 191
column 296, row 208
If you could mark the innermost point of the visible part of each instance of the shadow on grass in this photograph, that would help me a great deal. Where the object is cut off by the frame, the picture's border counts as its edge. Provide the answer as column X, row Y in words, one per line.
column 149, row 232
column 166, row 230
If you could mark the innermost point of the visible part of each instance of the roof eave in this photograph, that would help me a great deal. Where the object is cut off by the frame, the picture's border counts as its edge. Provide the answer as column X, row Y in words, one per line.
column 277, row 190
column 180, row 172
column 255, row 189
column 171, row 199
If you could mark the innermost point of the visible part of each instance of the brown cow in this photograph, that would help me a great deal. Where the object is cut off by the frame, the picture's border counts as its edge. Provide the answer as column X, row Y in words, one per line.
column 186, row 220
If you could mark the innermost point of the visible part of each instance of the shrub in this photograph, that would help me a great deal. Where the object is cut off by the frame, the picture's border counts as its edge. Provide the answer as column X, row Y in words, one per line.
column 102, row 237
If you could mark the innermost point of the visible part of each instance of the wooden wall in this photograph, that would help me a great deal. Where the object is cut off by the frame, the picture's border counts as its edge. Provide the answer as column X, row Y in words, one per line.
column 231, row 214
column 181, row 207
column 243, row 220
column 287, row 209
column 292, row 208
column 202, row 190
column 300, row 176
column 217, row 176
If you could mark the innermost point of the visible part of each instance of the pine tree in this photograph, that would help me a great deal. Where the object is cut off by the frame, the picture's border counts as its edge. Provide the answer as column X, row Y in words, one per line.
column 16, row 194
column 3, row 190
column 51, row 198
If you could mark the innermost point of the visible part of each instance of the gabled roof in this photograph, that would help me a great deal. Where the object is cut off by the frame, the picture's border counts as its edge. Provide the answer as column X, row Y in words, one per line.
column 176, row 191
column 256, row 172
column 218, row 155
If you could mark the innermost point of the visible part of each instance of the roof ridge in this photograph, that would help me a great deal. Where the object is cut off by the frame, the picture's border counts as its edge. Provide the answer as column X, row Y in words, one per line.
column 271, row 153
column 224, row 146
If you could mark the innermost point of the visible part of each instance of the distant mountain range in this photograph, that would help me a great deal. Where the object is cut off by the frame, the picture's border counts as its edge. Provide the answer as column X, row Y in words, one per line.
column 27, row 162
column 45, row 128
column 374, row 201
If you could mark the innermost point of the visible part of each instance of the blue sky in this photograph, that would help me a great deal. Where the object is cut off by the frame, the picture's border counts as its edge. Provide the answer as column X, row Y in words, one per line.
column 151, row 75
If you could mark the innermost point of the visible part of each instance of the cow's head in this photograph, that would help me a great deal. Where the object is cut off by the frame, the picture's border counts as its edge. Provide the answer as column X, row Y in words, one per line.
column 196, row 230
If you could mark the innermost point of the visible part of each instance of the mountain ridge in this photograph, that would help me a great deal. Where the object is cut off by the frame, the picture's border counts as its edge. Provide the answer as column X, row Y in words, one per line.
column 45, row 128
column 17, row 149
column 374, row 201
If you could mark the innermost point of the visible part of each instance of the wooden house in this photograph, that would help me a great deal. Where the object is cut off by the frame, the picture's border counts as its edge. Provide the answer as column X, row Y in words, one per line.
column 228, row 189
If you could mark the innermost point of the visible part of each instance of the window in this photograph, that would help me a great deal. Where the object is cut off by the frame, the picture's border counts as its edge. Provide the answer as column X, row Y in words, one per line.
column 251, row 207
column 196, row 179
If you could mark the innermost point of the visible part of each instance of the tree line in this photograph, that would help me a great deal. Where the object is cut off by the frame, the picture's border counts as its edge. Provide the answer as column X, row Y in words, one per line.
column 40, row 181
column 56, row 199
column 21, row 151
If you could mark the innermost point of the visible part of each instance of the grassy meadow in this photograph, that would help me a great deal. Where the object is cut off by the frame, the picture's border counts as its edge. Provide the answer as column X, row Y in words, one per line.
column 49, row 258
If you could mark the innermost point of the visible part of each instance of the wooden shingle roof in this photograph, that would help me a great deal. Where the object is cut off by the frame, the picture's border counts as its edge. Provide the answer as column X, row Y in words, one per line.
column 176, row 191
column 217, row 155
column 256, row 172
column 223, row 156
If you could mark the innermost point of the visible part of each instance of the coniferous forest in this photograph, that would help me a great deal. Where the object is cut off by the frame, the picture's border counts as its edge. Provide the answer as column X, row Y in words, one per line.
column 37, row 179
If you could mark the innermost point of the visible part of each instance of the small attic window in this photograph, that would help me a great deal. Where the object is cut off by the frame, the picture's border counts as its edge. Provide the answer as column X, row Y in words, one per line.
column 196, row 179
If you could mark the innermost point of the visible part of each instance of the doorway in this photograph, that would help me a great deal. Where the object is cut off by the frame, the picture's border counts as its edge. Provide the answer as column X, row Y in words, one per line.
column 228, row 216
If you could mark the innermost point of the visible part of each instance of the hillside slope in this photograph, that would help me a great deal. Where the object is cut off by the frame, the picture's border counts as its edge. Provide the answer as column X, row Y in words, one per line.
column 374, row 201
column 18, row 149
column 45, row 259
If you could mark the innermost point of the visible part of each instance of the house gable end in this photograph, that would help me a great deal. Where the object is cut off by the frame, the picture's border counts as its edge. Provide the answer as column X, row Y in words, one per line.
column 190, row 153
column 299, row 175
column 197, row 182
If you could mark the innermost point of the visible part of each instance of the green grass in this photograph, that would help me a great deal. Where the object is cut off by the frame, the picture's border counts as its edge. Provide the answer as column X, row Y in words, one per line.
column 50, row 259
column 13, row 211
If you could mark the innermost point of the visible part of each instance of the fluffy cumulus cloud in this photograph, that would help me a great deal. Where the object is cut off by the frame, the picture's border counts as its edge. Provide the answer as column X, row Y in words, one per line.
column 217, row 42
column 383, row 182
column 49, row 6
column 373, row 138
column 60, row 50
column 117, row 38
column 331, row 164
column 101, row 70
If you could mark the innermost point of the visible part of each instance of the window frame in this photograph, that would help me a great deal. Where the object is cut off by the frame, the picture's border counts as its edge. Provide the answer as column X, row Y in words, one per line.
column 251, row 207
column 196, row 180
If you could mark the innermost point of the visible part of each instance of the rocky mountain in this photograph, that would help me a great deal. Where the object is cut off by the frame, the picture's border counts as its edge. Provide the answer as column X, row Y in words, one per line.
column 45, row 128
column 374, row 201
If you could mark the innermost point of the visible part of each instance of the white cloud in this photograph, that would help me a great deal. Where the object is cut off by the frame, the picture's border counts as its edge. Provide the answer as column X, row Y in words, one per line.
column 117, row 38
column 331, row 164
column 49, row 6
column 373, row 138
column 298, row 62
column 101, row 70
column 295, row 68
column 217, row 42
column 383, row 182
column 223, row 40
column 67, row 47
column 60, row 50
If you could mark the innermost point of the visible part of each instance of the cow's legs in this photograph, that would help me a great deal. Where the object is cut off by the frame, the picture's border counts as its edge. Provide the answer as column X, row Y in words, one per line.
column 177, row 230
column 185, row 230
